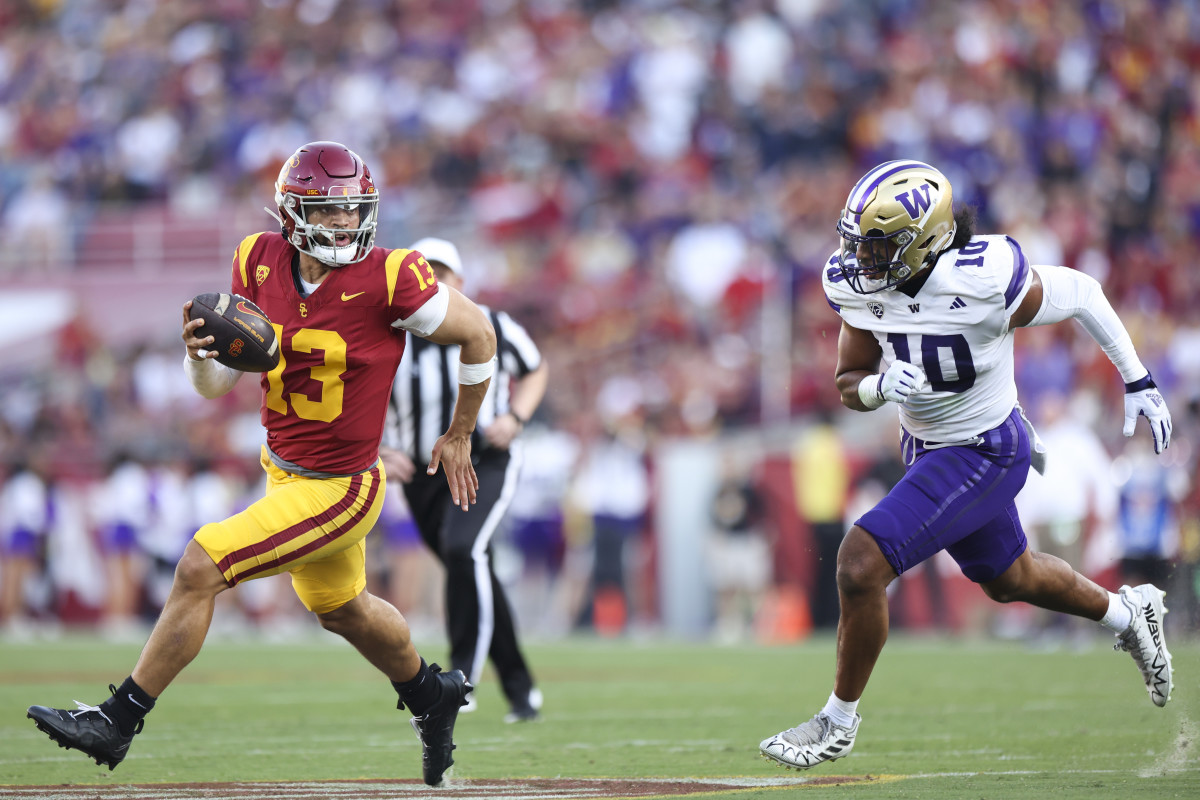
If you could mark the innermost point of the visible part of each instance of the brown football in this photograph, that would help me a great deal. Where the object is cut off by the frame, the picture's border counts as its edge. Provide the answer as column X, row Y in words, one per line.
column 242, row 335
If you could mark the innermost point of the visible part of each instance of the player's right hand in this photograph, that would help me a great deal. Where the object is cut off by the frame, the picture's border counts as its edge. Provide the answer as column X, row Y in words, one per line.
column 901, row 381
column 193, row 340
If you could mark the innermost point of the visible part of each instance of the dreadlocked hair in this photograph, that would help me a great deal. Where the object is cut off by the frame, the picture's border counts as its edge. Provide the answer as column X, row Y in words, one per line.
column 964, row 221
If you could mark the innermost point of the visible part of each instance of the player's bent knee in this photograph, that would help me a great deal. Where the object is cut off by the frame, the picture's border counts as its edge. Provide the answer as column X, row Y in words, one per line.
column 345, row 617
column 861, row 566
column 1001, row 593
column 1008, row 588
column 196, row 571
column 1011, row 586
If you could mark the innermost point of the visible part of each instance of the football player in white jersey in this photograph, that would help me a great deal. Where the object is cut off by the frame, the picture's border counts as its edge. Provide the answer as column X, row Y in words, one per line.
column 928, row 313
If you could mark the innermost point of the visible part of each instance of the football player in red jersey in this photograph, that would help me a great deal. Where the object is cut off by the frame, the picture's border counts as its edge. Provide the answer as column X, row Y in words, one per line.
column 340, row 307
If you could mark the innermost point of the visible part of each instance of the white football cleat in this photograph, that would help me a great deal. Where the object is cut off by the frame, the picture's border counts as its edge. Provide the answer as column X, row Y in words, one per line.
column 1145, row 641
column 819, row 739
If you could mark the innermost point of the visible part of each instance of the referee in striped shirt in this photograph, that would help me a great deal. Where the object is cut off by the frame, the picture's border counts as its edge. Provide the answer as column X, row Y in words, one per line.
column 478, row 616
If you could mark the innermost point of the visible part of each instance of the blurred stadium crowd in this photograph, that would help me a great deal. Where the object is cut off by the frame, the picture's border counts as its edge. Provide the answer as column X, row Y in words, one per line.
column 649, row 186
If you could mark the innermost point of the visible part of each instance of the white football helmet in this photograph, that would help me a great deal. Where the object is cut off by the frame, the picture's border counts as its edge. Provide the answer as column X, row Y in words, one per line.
column 897, row 220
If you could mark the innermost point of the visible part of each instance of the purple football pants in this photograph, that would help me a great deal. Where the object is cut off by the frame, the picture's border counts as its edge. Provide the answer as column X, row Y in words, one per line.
column 958, row 499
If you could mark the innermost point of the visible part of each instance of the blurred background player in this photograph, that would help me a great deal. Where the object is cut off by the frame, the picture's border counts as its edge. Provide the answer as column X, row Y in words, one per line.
column 479, row 617
column 543, row 596
column 123, row 509
column 611, row 492
column 738, row 553
column 917, row 290
column 26, row 516
column 337, row 303
column 1147, row 523
column 415, row 579
column 1068, row 506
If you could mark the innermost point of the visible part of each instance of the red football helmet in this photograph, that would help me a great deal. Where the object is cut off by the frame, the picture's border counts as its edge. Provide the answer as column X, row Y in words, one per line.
column 324, row 174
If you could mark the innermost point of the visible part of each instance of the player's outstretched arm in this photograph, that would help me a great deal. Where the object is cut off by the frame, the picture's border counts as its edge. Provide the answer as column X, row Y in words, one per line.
column 209, row 378
column 1058, row 293
column 863, row 388
column 468, row 327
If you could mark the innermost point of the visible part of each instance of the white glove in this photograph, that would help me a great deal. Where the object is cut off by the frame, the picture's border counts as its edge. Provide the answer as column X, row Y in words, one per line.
column 1142, row 398
column 896, row 385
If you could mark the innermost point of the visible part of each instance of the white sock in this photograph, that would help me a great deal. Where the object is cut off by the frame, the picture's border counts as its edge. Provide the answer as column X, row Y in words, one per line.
column 1119, row 616
column 840, row 711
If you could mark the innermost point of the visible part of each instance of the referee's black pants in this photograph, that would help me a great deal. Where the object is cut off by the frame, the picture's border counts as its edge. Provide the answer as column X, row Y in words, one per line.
column 479, row 619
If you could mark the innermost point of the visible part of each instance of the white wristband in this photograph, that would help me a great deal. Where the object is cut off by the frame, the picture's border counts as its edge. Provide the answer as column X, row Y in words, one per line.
column 869, row 391
column 471, row 374
column 209, row 377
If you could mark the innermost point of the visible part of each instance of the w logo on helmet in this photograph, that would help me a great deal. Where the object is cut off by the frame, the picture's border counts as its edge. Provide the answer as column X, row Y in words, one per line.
column 916, row 202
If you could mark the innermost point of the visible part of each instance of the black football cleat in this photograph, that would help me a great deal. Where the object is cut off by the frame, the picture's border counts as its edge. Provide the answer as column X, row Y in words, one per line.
column 87, row 729
column 436, row 728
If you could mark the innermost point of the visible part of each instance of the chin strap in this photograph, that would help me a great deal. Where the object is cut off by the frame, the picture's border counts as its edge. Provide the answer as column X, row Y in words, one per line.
column 278, row 219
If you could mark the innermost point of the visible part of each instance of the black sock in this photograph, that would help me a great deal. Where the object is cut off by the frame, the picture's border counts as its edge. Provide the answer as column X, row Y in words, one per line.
column 421, row 692
column 128, row 706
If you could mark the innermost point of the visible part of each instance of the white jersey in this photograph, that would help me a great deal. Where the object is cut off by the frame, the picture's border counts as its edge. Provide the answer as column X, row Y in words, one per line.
column 956, row 329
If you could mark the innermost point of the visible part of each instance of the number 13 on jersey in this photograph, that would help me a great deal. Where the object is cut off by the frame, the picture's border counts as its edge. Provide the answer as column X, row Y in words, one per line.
column 328, row 373
column 423, row 282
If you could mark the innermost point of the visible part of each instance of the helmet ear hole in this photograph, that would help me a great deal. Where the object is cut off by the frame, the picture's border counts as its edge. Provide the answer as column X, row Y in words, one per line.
column 925, row 243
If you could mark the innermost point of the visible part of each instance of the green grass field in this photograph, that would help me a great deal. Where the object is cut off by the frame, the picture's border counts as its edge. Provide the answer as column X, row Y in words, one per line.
column 949, row 718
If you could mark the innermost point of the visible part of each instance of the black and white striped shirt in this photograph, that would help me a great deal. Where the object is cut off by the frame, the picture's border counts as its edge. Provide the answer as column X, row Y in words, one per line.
column 429, row 371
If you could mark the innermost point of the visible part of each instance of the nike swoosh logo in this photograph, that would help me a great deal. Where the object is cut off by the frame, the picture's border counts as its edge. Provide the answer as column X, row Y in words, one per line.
column 135, row 702
column 351, row 296
column 245, row 309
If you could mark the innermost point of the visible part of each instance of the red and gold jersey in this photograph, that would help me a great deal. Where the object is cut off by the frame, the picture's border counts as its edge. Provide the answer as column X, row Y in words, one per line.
column 324, row 404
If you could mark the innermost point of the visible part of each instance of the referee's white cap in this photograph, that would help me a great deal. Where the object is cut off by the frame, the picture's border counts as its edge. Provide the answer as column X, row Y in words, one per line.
column 440, row 250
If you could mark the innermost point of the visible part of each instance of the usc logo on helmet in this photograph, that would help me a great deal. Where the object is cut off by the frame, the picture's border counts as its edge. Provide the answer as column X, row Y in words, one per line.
column 313, row 177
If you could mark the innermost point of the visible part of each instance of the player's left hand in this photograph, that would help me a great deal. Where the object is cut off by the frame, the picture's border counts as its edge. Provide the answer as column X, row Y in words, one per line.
column 453, row 453
column 1142, row 398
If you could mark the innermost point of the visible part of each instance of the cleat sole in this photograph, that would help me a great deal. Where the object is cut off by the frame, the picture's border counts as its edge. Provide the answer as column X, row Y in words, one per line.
column 54, row 738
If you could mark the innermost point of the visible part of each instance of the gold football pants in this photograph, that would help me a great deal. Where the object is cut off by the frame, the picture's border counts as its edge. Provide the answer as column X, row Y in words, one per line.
column 312, row 528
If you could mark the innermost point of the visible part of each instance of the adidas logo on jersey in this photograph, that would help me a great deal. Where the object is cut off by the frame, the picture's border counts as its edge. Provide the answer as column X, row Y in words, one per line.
column 958, row 303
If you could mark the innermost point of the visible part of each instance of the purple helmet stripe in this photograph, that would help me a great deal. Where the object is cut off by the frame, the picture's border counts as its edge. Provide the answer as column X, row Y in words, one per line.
column 1020, row 273
column 869, row 182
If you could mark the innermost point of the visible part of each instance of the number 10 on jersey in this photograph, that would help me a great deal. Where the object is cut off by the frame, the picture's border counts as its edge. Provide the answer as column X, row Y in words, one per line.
column 938, row 353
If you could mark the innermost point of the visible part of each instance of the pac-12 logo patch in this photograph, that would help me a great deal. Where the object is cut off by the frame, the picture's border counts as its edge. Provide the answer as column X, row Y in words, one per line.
column 876, row 308
column 261, row 273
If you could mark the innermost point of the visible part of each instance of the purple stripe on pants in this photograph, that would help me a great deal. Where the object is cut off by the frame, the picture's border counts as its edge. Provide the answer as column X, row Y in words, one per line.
column 958, row 499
